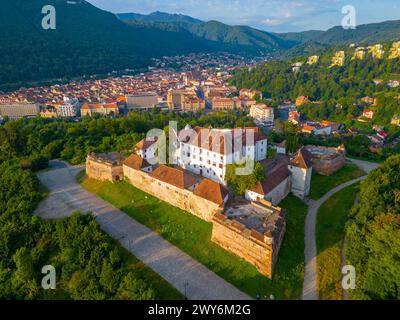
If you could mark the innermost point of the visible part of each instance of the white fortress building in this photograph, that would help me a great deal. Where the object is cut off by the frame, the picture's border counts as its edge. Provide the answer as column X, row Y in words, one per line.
column 207, row 152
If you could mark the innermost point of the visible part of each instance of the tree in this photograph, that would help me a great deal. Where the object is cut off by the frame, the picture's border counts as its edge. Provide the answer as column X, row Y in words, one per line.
column 292, row 143
column 373, row 233
column 133, row 289
column 23, row 278
column 241, row 183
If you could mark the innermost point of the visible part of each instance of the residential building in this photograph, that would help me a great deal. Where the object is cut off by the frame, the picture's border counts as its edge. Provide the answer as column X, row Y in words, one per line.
column 261, row 113
column 277, row 184
column 101, row 109
column 396, row 120
column 49, row 113
column 312, row 60
column 251, row 94
column 302, row 100
column 248, row 103
column 294, row 117
column 297, row 67
column 393, row 83
column 145, row 100
column 68, row 108
column 226, row 104
column 369, row 114
column 174, row 99
column 395, row 50
column 338, row 59
column 359, row 54
column 335, row 126
column 147, row 148
column 377, row 51
column 16, row 110
column 280, row 148
column 316, row 129
column 192, row 104
column 370, row 101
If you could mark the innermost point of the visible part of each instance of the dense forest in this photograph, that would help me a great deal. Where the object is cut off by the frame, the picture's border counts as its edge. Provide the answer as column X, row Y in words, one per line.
column 373, row 234
column 89, row 265
column 90, row 41
column 31, row 140
column 86, row 41
column 339, row 89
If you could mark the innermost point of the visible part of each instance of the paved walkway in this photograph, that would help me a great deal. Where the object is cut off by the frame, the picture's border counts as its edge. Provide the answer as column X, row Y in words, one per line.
column 310, row 285
column 364, row 165
column 180, row 270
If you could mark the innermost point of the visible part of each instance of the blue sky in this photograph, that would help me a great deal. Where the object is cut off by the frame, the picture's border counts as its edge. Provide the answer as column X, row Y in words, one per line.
column 270, row 15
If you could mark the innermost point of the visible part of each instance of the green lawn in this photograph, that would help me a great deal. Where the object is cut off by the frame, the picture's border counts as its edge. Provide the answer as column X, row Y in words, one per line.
column 331, row 220
column 193, row 236
column 320, row 185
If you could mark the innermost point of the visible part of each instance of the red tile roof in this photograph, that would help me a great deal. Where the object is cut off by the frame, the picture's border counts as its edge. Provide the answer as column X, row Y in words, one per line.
column 216, row 140
column 302, row 159
column 273, row 179
column 176, row 177
column 146, row 143
column 99, row 106
column 136, row 162
column 211, row 191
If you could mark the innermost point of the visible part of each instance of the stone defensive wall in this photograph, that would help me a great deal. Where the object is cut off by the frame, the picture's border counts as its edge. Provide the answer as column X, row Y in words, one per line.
column 326, row 161
column 103, row 170
column 260, row 248
column 181, row 198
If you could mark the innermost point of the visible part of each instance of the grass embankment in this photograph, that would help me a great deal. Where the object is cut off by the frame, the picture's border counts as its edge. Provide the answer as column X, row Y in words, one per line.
column 331, row 220
column 320, row 185
column 193, row 236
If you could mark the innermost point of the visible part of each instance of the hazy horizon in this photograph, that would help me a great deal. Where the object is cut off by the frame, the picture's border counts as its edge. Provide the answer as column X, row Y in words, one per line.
column 279, row 16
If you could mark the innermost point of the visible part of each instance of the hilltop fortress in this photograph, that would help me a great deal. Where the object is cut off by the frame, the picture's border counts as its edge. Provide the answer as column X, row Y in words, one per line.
column 251, row 227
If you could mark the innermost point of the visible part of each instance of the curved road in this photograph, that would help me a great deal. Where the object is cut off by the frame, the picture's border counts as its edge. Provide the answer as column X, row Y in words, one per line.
column 310, row 285
column 184, row 273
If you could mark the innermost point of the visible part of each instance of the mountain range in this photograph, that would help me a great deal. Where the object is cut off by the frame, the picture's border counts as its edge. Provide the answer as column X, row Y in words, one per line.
column 88, row 40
